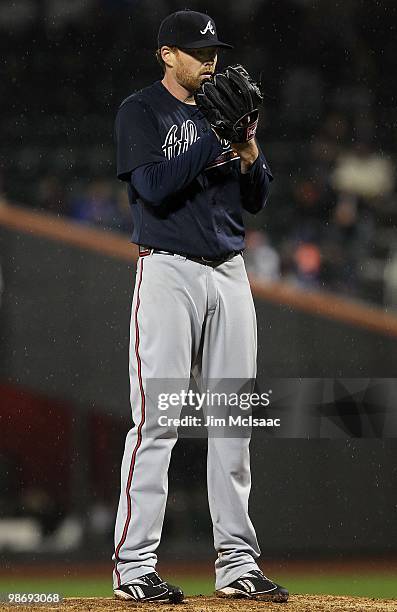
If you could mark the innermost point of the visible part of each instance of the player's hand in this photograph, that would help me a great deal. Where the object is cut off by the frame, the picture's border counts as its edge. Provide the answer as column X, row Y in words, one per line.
column 248, row 152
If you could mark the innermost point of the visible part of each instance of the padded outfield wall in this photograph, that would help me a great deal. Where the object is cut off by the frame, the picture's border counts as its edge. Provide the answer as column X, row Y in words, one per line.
column 64, row 334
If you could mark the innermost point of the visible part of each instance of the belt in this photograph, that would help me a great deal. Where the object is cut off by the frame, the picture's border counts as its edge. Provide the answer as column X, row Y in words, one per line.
column 144, row 250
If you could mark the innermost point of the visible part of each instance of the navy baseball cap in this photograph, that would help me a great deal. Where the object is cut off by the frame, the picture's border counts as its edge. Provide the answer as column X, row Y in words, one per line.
column 189, row 30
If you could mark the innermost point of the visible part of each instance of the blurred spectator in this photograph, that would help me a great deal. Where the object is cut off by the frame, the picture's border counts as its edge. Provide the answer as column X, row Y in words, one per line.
column 310, row 210
column 123, row 208
column 37, row 503
column 99, row 205
column 327, row 144
column 100, row 520
column 307, row 266
column 363, row 172
column 51, row 196
column 390, row 279
column 261, row 260
column 339, row 245
column 3, row 199
column 9, row 486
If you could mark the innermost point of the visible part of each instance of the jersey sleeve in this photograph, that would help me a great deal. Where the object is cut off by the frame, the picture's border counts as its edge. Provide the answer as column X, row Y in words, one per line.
column 254, row 185
column 137, row 138
column 155, row 182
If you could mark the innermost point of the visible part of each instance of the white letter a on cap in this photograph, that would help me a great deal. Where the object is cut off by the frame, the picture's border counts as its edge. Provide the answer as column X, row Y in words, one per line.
column 209, row 27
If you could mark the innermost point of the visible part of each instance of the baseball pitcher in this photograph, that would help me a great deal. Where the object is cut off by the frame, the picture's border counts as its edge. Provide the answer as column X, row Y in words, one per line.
column 186, row 149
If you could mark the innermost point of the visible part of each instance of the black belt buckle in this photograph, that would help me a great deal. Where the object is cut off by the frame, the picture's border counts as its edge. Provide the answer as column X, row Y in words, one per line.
column 218, row 262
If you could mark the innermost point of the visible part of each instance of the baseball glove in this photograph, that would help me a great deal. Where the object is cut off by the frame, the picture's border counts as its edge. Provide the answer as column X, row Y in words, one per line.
column 230, row 102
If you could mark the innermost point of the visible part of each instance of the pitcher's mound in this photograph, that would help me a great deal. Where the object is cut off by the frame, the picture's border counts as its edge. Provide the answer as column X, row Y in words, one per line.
column 296, row 603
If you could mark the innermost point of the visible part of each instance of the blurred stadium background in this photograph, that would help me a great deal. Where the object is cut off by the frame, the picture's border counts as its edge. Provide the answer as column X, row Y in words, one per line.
column 323, row 262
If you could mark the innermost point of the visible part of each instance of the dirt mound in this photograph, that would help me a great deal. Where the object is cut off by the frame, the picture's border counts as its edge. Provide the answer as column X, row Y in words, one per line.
column 296, row 603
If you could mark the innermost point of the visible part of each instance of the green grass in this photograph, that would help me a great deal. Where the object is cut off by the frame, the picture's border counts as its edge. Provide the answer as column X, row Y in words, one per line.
column 69, row 587
column 369, row 585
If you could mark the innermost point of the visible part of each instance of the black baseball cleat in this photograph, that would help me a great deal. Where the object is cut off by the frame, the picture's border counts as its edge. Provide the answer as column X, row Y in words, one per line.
column 149, row 588
column 254, row 585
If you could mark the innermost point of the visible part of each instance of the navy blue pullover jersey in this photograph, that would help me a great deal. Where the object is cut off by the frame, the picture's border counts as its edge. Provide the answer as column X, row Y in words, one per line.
column 185, row 187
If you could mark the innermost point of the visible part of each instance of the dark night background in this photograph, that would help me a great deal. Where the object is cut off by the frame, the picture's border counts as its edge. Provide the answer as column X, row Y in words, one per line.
column 329, row 130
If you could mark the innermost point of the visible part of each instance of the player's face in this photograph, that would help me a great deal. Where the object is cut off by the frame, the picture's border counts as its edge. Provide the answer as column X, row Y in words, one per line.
column 192, row 66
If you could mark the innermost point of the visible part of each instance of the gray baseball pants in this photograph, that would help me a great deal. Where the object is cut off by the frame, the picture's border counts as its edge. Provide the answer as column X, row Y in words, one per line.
column 186, row 317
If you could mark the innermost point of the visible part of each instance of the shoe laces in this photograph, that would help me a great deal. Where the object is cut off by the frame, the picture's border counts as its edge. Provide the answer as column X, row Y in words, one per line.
column 154, row 579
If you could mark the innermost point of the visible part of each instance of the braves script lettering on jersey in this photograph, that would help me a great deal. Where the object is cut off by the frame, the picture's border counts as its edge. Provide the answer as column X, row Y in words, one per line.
column 187, row 195
column 179, row 138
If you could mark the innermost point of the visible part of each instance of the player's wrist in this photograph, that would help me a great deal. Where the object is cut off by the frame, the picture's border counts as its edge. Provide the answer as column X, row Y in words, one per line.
column 248, row 152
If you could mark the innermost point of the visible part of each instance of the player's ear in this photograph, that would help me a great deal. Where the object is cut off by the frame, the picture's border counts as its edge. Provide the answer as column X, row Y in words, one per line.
column 168, row 56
